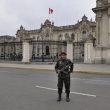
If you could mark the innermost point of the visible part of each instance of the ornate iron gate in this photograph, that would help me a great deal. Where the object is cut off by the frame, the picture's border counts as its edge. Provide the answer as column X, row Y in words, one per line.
column 78, row 51
column 46, row 51
column 11, row 51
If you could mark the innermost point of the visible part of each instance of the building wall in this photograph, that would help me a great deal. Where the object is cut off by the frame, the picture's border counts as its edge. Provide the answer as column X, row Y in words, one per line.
column 104, row 31
column 54, row 33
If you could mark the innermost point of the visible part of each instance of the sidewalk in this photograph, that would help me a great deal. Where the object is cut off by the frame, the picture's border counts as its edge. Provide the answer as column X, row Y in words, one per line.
column 78, row 68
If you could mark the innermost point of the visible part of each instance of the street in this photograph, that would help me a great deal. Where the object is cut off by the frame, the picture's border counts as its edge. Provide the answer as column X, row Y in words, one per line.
column 37, row 90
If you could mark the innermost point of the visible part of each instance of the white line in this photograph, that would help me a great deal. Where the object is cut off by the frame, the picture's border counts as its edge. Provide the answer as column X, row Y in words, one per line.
column 89, row 79
column 100, row 80
column 64, row 91
column 79, row 79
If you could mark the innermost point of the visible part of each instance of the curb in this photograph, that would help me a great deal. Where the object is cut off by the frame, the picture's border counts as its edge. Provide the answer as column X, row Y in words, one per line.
column 44, row 69
column 92, row 72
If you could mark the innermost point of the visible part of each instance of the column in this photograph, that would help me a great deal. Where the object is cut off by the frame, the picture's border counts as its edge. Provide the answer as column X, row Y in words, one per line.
column 98, row 55
column 26, row 51
column 76, row 37
column 99, row 31
column 108, row 49
column 109, row 27
column 109, row 34
column 108, row 56
column 88, row 50
column 70, row 49
column 81, row 35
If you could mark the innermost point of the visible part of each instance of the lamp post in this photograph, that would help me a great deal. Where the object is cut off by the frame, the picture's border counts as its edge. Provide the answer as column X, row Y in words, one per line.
column 14, row 50
column 42, row 50
column 51, row 54
column 4, row 49
column 21, row 45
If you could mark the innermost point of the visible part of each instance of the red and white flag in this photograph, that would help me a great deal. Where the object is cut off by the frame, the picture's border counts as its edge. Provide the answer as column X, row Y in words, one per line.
column 50, row 11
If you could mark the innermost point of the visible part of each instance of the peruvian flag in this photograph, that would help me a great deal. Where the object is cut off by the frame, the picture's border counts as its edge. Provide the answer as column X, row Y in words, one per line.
column 50, row 11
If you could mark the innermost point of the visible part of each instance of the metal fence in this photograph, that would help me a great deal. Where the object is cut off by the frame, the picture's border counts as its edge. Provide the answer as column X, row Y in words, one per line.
column 11, row 51
column 41, row 51
column 78, row 51
column 46, row 51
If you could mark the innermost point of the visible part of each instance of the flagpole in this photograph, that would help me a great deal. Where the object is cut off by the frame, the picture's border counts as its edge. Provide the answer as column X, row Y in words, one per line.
column 49, row 14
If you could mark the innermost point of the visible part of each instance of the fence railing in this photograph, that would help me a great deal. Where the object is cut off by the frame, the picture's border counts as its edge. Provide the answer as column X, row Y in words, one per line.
column 78, row 51
column 47, row 51
column 11, row 51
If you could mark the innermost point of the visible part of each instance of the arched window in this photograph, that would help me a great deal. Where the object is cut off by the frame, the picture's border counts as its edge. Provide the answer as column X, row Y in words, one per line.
column 83, row 34
column 11, row 49
column 38, row 49
column 47, row 50
column 1, row 49
column 38, row 38
column 66, row 35
column 72, row 36
column 60, row 37
column 47, row 37
column 33, row 37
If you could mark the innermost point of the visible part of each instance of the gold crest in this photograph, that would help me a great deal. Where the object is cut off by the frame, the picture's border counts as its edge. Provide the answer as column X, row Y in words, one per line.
column 60, row 62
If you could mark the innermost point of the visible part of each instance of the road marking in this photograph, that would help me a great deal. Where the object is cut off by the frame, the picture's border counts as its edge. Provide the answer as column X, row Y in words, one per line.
column 70, row 92
column 99, row 80
column 89, row 79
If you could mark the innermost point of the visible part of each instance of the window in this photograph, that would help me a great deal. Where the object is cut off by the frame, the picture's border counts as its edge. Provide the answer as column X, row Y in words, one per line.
column 60, row 37
column 38, row 50
column 47, row 50
column 33, row 37
column 72, row 36
column 105, row 2
column 2, row 50
column 38, row 38
column 47, row 37
column 11, row 49
column 66, row 35
column 83, row 34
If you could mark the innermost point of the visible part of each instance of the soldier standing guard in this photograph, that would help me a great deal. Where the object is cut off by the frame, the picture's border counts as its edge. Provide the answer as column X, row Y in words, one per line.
column 63, row 75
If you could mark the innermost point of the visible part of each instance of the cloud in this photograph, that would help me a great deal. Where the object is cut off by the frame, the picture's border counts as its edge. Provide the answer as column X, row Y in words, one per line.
column 31, row 13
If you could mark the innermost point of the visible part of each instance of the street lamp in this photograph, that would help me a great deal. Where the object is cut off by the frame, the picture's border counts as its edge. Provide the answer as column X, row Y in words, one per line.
column 21, row 45
column 42, row 50
column 4, row 49
column 51, row 53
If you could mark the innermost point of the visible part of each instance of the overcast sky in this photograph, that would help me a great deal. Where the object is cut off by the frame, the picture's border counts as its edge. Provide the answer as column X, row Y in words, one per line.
column 31, row 13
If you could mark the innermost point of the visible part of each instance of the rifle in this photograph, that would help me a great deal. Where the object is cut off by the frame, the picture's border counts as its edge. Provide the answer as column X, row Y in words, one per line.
column 65, row 67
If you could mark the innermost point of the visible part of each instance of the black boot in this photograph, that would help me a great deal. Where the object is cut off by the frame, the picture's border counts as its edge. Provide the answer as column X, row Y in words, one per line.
column 67, row 97
column 59, row 98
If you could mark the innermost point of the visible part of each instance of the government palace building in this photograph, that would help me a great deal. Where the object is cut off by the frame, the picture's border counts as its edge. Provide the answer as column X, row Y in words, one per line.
column 50, row 40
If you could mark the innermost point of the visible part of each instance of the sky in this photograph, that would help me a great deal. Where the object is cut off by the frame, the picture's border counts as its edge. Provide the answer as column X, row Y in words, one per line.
column 31, row 13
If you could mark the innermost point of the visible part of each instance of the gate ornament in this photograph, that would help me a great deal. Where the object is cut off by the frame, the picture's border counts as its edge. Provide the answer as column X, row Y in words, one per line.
column 90, row 38
column 27, row 39
column 69, row 39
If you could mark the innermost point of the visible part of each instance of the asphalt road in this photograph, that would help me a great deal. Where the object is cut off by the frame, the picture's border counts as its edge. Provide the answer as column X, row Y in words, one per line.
column 37, row 90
